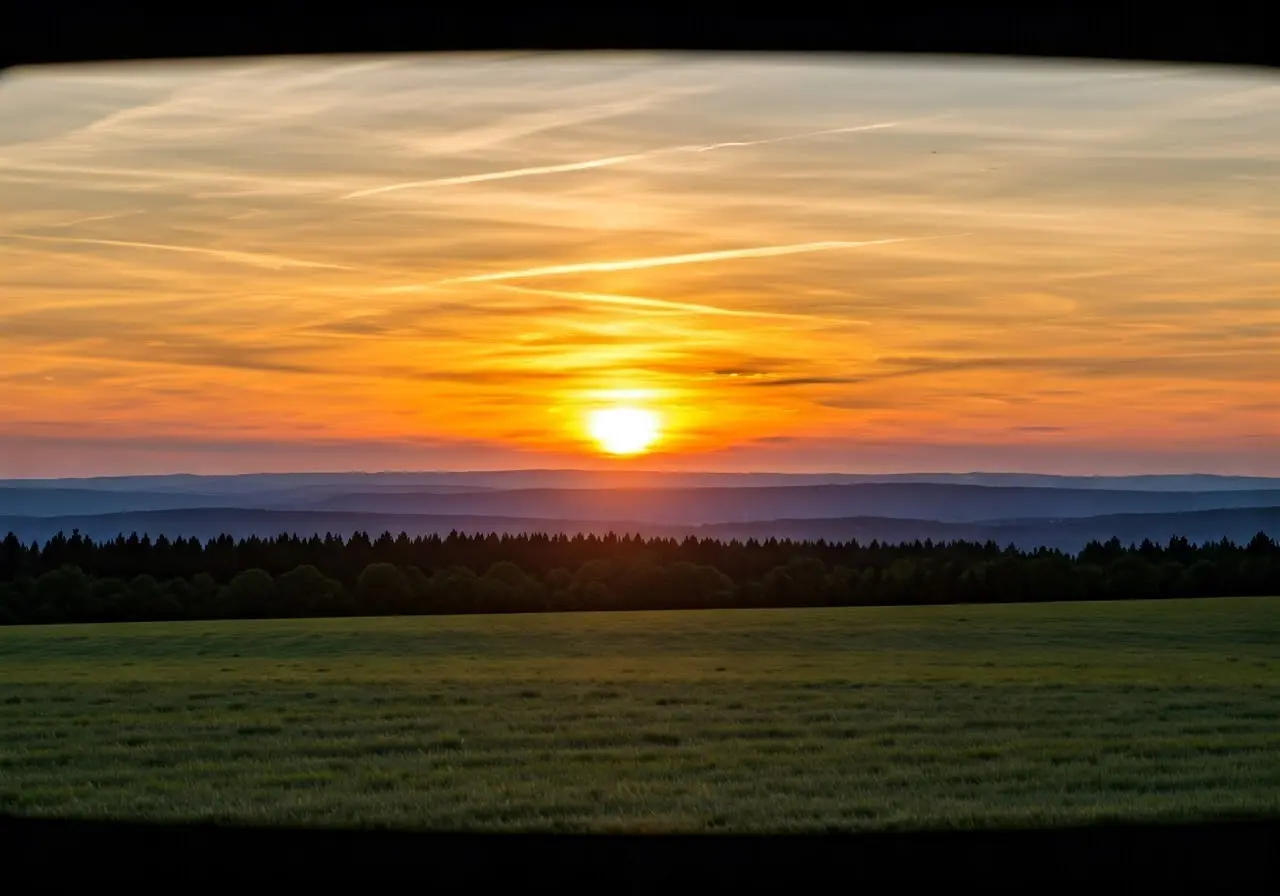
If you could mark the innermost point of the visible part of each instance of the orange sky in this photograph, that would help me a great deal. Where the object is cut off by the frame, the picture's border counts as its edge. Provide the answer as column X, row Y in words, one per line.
column 800, row 264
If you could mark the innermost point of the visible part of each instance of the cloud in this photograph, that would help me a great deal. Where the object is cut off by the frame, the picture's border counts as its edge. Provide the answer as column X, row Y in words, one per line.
column 99, row 334
column 38, row 456
column 1214, row 366
column 785, row 382
column 390, row 326
column 256, row 259
column 513, row 380
column 166, row 180
column 365, row 325
column 178, row 443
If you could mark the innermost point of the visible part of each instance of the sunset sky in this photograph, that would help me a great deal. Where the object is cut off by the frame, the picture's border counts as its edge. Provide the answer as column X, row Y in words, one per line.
column 822, row 264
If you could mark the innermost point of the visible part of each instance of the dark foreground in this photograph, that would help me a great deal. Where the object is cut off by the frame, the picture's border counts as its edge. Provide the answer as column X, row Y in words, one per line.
column 1214, row 855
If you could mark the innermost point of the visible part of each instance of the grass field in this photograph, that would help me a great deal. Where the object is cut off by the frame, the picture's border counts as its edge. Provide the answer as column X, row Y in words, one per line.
column 733, row 720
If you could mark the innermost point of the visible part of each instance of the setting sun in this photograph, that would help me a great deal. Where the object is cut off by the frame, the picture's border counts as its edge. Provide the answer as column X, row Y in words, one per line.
column 624, row 430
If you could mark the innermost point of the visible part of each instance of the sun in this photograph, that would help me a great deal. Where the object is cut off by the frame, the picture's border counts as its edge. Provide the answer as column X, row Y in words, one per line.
column 623, row 430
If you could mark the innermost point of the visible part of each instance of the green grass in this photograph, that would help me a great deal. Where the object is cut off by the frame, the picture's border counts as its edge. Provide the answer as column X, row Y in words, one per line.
column 726, row 720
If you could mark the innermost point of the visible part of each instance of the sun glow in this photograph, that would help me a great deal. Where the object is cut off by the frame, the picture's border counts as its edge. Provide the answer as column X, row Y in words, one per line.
column 623, row 430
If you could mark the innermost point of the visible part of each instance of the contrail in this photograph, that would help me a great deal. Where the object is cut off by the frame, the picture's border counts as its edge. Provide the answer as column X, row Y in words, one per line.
column 503, row 175
column 635, row 264
column 783, row 139
column 252, row 258
column 606, row 162
column 93, row 218
column 669, row 305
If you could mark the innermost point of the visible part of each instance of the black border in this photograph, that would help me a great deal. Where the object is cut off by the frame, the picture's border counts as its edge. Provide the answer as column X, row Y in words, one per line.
column 1214, row 854
column 53, row 31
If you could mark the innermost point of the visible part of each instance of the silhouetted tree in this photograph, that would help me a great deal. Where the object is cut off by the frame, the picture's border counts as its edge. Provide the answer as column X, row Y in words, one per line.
column 73, row 578
column 383, row 588
column 306, row 591
column 251, row 593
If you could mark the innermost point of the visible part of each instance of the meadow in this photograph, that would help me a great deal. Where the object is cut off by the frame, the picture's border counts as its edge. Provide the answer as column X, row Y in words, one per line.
column 736, row 720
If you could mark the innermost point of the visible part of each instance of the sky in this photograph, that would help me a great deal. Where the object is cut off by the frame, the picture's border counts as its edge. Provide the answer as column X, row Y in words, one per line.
column 794, row 263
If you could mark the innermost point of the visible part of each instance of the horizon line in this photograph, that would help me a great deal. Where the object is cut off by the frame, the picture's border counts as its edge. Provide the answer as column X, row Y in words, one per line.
column 632, row 472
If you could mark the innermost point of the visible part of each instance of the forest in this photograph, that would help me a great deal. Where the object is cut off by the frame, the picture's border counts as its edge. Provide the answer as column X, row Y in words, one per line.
column 135, row 578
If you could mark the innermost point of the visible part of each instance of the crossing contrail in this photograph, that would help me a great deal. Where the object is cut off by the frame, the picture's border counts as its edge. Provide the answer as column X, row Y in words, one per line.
column 669, row 305
column 635, row 264
column 605, row 162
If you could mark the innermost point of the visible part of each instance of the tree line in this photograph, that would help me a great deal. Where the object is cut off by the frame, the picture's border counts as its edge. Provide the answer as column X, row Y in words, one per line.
column 76, row 579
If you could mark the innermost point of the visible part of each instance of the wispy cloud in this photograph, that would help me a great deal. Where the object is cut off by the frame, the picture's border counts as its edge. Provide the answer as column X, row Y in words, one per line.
column 122, row 178
column 787, row 381
column 256, row 259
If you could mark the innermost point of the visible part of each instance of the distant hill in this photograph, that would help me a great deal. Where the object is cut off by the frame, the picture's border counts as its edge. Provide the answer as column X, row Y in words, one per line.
column 205, row 523
column 58, row 501
column 699, row 506
column 684, row 506
column 1024, row 509
column 333, row 483
column 77, row 501
column 1238, row 524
